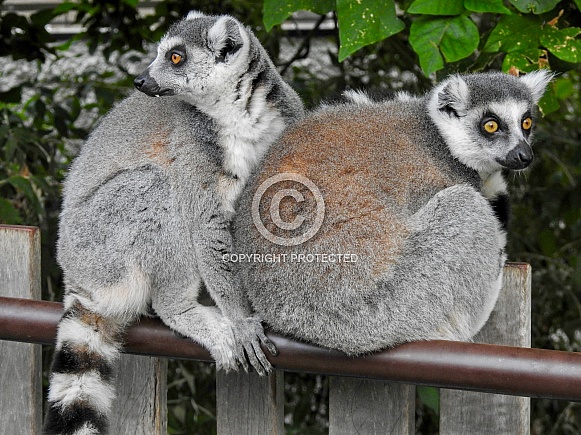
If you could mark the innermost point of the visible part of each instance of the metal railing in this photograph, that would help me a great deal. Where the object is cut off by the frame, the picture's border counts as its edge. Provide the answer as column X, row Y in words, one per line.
column 447, row 364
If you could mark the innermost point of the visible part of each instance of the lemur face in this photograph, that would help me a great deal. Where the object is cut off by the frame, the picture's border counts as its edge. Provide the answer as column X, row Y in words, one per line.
column 199, row 56
column 500, row 133
column 487, row 119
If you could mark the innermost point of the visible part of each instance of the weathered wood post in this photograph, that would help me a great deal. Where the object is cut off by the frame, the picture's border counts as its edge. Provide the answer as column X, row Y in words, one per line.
column 249, row 404
column 141, row 403
column 360, row 406
column 20, row 363
column 463, row 412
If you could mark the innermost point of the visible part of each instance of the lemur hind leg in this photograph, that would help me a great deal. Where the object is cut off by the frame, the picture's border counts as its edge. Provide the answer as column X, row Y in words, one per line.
column 454, row 259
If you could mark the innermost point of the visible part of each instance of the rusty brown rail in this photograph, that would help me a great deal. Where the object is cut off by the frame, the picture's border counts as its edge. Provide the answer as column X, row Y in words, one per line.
column 446, row 364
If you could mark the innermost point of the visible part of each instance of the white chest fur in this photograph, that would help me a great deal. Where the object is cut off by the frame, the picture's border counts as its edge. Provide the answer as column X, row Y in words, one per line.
column 493, row 185
column 247, row 126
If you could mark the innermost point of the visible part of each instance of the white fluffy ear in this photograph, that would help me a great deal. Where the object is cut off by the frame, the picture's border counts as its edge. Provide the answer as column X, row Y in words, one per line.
column 453, row 95
column 194, row 14
column 357, row 96
column 537, row 82
column 224, row 38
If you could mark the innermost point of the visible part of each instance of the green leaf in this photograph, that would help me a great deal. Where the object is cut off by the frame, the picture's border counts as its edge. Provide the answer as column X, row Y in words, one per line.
column 42, row 17
column 430, row 397
column 514, row 33
column 41, row 182
column 487, row 6
column 364, row 23
column 460, row 39
column 132, row 3
column 437, row 7
column 563, row 43
column 537, row 7
column 578, row 3
column 524, row 60
column 8, row 213
column 425, row 35
column 275, row 12
column 10, row 146
column 65, row 46
column 549, row 102
column 436, row 39
column 563, row 88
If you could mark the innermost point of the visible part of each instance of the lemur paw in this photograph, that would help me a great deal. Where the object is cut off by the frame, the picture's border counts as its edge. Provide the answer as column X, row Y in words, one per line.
column 240, row 344
column 249, row 336
column 224, row 351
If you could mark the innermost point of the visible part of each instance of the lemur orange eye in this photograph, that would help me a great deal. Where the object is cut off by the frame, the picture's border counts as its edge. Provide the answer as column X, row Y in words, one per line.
column 176, row 58
column 527, row 123
column 491, row 126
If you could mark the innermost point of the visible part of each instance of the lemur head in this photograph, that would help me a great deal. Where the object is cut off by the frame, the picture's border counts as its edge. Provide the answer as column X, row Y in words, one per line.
column 200, row 56
column 487, row 119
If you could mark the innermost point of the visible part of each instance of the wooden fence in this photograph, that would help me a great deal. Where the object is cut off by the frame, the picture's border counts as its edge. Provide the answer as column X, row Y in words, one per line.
column 249, row 404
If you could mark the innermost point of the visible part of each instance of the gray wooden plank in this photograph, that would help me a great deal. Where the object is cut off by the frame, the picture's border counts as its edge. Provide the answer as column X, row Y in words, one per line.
column 140, row 407
column 249, row 404
column 365, row 407
column 20, row 363
column 463, row 412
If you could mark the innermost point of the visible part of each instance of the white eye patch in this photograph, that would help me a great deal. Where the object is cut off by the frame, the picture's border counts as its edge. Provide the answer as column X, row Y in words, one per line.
column 167, row 44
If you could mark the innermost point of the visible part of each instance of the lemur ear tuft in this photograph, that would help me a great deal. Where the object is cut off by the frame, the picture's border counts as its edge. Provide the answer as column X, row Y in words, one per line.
column 537, row 82
column 194, row 14
column 453, row 96
column 224, row 38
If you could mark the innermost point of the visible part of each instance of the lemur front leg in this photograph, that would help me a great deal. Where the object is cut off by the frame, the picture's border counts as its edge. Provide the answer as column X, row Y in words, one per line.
column 229, row 330
column 177, row 307
column 214, row 245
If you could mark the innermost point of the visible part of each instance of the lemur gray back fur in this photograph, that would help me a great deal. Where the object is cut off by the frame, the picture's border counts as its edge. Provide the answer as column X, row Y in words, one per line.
column 147, row 208
column 411, row 246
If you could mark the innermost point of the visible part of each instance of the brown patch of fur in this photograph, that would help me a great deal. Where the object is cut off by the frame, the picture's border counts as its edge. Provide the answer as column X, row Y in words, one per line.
column 158, row 152
column 370, row 169
column 110, row 329
column 359, row 159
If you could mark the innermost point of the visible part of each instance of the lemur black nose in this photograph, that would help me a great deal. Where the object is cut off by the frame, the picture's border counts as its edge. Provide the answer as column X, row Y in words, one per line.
column 138, row 82
column 519, row 157
column 525, row 157
column 147, row 84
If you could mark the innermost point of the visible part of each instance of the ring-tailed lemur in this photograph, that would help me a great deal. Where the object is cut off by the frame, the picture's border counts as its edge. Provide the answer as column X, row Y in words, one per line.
column 411, row 246
column 147, row 208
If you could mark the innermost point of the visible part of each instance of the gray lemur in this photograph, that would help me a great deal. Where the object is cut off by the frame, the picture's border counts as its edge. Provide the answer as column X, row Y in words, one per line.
column 410, row 199
column 147, row 209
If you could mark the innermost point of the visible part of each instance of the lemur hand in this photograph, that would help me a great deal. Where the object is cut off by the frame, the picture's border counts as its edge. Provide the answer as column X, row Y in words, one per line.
column 249, row 335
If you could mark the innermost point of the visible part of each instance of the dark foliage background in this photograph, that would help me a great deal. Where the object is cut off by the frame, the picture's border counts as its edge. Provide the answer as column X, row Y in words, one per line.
column 46, row 112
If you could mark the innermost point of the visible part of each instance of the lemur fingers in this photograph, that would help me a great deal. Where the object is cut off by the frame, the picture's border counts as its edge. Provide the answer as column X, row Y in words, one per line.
column 250, row 335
